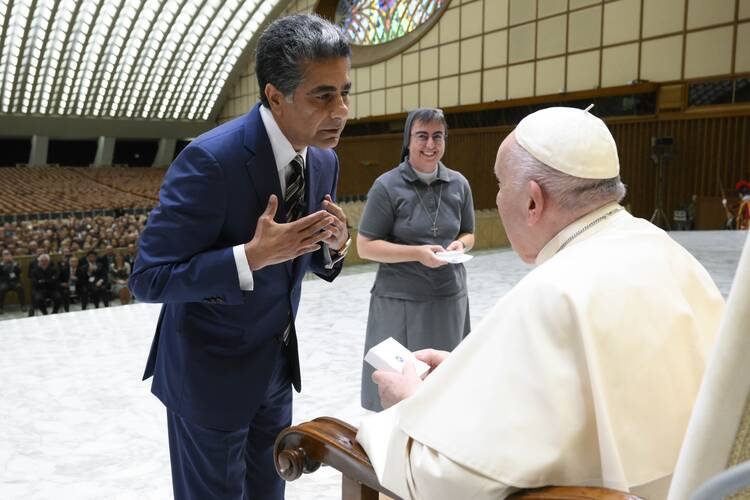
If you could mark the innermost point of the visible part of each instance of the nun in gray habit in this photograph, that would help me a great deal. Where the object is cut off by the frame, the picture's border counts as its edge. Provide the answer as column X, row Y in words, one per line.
column 418, row 208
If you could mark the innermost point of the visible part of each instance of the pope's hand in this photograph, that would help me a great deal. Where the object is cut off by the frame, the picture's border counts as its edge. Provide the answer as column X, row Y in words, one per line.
column 432, row 357
column 395, row 387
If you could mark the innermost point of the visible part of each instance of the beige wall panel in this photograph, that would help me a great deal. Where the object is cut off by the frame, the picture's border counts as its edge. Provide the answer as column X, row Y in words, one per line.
column 411, row 67
column 495, row 14
column 352, row 107
column 707, row 12
column 521, row 81
column 470, row 88
column 449, row 26
column 393, row 100
column 661, row 59
column 583, row 71
column 576, row 4
column 393, row 71
column 428, row 64
column 621, row 21
column 431, row 39
column 428, row 94
column 550, row 76
column 363, row 104
column 471, row 19
column 522, row 11
column 377, row 103
column 619, row 65
column 448, row 92
column 493, row 87
column 708, row 52
column 377, row 76
column 742, row 63
column 496, row 49
column 471, row 54
column 522, row 43
column 551, row 38
column 411, row 97
column 662, row 16
column 363, row 79
column 585, row 29
column 449, row 59
column 353, row 79
column 551, row 7
column 744, row 11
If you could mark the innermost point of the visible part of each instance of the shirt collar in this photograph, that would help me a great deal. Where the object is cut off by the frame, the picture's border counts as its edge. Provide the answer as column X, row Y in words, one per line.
column 407, row 172
column 554, row 245
column 283, row 152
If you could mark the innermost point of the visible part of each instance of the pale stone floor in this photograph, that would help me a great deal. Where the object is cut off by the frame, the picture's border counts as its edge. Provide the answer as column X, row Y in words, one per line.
column 77, row 422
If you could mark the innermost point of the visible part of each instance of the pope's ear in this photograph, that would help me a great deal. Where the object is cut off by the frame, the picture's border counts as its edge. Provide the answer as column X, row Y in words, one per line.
column 535, row 206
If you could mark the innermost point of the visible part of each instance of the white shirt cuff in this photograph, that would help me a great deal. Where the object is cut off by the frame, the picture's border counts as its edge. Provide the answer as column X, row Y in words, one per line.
column 243, row 268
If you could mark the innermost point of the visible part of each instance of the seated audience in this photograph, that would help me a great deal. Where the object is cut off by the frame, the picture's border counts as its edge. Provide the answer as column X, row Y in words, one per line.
column 72, row 282
column 97, row 282
column 10, row 280
column 45, row 286
column 119, row 272
column 586, row 372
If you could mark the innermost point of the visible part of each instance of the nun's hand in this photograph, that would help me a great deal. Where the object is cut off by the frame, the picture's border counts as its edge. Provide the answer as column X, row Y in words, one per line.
column 425, row 254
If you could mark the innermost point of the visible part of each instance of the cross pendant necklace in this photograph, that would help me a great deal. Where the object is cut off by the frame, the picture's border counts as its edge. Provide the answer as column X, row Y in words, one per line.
column 435, row 230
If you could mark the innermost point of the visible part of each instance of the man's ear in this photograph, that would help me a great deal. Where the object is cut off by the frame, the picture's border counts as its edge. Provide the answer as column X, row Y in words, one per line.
column 535, row 207
column 274, row 96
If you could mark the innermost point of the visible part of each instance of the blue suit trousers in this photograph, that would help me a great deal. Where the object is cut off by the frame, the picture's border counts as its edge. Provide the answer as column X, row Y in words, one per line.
column 210, row 464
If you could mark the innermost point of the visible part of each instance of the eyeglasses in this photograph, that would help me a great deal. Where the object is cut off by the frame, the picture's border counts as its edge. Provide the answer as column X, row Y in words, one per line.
column 423, row 137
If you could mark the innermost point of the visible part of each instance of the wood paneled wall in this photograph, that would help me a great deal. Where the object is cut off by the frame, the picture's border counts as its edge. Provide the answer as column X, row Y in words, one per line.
column 708, row 151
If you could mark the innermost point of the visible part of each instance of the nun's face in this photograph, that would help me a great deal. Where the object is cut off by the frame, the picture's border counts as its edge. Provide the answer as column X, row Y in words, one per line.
column 426, row 145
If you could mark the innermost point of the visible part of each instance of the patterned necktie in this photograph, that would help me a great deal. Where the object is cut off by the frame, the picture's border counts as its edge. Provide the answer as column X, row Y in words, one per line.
column 294, row 198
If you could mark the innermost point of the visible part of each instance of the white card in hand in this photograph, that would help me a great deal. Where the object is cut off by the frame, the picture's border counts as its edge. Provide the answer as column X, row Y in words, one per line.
column 390, row 355
column 454, row 256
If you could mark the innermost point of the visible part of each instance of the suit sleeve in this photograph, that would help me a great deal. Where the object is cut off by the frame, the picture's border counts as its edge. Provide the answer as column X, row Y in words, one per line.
column 179, row 259
column 319, row 261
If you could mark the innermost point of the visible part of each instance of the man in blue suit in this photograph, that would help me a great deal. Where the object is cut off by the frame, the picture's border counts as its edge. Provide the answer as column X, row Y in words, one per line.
column 245, row 211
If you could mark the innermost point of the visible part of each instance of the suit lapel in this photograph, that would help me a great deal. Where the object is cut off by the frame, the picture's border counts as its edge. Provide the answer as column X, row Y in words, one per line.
column 261, row 167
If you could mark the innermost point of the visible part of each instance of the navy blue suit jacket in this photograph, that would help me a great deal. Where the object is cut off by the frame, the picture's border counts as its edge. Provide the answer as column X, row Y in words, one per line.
column 213, row 351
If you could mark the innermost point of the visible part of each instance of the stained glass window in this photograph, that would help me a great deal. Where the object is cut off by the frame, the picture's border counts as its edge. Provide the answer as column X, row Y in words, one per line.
column 374, row 22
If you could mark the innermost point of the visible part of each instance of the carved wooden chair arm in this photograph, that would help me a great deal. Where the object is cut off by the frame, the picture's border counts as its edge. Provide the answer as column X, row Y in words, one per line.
column 301, row 449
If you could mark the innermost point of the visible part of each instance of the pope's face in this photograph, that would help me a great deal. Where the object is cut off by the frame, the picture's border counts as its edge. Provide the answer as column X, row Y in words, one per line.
column 316, row 113
column 511, row 202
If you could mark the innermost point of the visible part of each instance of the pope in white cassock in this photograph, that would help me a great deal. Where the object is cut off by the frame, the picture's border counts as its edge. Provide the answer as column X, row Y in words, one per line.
column 585, row 373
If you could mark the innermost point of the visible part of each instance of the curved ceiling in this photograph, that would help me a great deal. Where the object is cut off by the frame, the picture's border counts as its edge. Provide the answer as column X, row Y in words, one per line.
column 126, row 59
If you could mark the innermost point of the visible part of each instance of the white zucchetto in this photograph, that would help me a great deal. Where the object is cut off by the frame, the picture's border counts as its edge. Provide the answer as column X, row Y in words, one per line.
column 570, row 140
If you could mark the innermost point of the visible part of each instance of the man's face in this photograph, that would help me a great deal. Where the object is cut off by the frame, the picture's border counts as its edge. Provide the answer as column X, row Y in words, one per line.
column 317, row 111
column 74, row 261
column 426, row 145
column 44, row 262
column 511, row 203
column 7, row 256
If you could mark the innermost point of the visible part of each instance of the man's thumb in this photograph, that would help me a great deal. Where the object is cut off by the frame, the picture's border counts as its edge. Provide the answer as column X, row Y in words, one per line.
column 273, row 204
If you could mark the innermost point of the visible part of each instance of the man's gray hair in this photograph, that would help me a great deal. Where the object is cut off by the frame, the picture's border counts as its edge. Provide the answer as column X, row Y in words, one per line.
column 570, row 193
column 290, row 42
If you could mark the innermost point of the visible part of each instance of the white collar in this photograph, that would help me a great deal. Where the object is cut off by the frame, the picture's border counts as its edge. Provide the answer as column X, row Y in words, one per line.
column 574, row 231
column 283, row 152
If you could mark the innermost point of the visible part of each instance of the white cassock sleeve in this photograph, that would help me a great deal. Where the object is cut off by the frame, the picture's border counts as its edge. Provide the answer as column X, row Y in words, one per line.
column 415, row 471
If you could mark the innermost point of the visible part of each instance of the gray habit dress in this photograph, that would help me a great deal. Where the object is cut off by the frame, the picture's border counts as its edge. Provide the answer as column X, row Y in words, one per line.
column 416, row 305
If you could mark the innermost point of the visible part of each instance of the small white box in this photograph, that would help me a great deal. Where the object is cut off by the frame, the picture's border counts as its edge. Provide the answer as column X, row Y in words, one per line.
column 390, row 356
